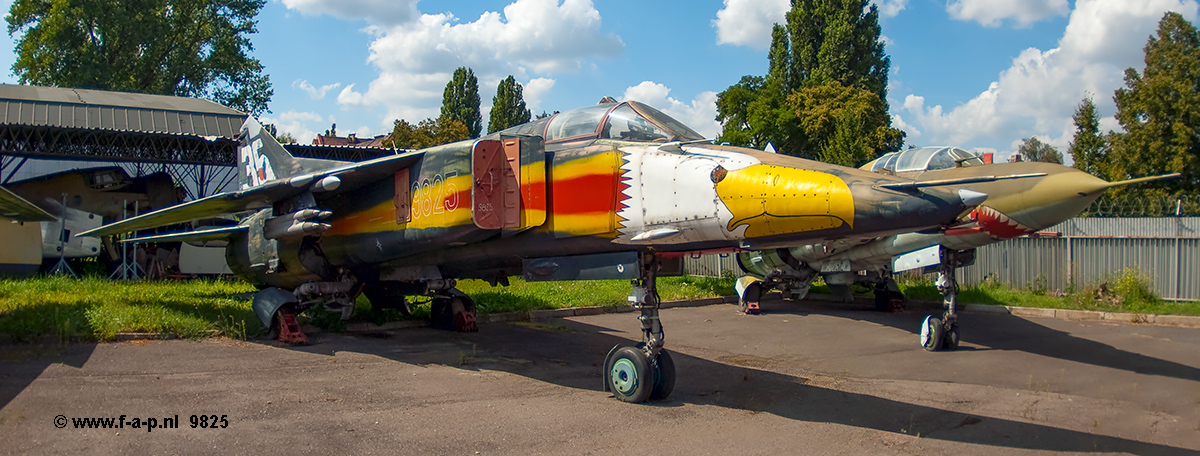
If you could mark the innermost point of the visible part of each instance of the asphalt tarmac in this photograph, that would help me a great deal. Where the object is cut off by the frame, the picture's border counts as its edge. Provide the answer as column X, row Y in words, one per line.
column 800, row 379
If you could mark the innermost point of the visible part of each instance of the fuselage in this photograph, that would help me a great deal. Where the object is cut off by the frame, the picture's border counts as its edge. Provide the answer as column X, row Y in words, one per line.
column 1051, row 194
column 620, row 179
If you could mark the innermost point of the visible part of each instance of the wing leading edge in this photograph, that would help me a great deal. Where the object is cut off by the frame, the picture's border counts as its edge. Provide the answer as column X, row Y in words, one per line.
column 20, row 209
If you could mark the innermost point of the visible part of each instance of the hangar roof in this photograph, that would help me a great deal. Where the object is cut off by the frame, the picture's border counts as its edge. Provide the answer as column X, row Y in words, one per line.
column 116, row 111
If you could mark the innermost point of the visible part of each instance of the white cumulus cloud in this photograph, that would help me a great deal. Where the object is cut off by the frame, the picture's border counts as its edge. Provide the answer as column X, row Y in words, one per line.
column 312, row 91
column 1038, row 93
column 297, row 124
column 991, row 13
column 700, row 113
column 534, row 91
column 749, row 22
column 382, row 12
column 529, row 39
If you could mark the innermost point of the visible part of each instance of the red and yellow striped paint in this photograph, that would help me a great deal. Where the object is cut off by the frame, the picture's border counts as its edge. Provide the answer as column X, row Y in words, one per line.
column 584, row 198
column 586, row 194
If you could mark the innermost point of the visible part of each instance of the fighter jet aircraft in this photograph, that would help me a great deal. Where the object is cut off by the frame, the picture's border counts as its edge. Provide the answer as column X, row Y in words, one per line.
column 1030, row 197
column 611, row 191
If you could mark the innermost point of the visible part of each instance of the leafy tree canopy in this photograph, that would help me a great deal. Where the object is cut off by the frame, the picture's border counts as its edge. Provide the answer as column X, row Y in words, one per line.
column 508, row 106
column 427, row 133
column 1159, row 109
column 460, row 101
column 194, row 48
column 850, row 121
column 1035, row 150
column 829, row 49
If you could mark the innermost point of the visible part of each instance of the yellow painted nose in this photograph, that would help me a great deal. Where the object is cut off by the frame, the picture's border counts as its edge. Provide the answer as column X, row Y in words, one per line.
column 772, row 200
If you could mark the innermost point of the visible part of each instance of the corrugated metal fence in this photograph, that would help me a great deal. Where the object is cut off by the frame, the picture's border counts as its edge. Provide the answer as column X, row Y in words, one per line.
column 1089, row 250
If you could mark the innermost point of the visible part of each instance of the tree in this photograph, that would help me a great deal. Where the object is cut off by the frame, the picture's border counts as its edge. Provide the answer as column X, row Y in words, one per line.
column 1160, row 111
column 460, row 100
column 846, row 125
column 508, row 106
column 1035, row 150
column 823, row 41
column 838, row 40
column 1088, row 149
column 194, row 48
column 427, row 133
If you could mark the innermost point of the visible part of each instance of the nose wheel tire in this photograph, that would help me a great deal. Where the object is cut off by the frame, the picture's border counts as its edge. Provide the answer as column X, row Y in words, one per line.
column 932, row 334
column 664, row 376
column 951, row 338
column 628, row 374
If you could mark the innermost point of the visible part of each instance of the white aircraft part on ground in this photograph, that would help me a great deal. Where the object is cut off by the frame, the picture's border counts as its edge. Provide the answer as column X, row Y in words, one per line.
column 77, row 221
column 21, row 251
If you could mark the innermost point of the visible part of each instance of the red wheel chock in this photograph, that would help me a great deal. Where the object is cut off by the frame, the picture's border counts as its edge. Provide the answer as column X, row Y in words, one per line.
column 289, row 330
column 465, row 322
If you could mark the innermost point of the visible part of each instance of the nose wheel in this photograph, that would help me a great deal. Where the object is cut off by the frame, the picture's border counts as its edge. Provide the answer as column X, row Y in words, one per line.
column 939, row 334
column 645, row 371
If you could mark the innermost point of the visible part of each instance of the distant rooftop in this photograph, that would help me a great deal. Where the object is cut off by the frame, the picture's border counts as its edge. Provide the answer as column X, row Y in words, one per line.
column 37, row 106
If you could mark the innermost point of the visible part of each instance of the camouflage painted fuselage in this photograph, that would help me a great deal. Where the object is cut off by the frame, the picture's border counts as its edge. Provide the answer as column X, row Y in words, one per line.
column 597, row 196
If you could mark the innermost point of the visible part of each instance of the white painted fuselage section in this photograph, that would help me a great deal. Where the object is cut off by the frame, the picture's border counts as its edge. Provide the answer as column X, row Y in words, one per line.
column 672, row 196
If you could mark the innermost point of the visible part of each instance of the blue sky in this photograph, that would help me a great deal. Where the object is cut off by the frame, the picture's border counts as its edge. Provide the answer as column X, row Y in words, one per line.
column 979, row 74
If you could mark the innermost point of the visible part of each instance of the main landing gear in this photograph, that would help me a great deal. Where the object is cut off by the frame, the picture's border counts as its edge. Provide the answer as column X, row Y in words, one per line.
column 450, row 309
column 644, row 371
column 942, row 333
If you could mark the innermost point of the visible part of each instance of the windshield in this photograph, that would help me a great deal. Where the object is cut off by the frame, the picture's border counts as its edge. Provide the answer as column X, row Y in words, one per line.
column 676, row 130
column 926, row 159
column 627, row 121
column 625, row 124
column 580, row 122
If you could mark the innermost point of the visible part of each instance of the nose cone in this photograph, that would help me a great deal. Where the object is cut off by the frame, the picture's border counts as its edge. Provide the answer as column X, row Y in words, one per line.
column 1052, row 199
column 971, row 198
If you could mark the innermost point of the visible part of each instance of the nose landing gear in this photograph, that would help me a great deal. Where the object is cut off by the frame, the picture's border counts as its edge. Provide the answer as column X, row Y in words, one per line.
column 644, row 371
column 939, row 334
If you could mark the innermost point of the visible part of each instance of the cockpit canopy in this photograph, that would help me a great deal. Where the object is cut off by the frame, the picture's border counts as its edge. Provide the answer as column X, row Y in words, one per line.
column 924, row 159
column 625, row 121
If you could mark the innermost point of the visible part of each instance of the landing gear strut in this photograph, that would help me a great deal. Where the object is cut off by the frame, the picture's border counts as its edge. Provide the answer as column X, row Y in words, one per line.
column 942, row 333
column 645, row 371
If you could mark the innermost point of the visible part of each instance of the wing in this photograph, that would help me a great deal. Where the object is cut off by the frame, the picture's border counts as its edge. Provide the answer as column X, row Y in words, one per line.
column 261, row 159
column 20, row 209
column 210, row 234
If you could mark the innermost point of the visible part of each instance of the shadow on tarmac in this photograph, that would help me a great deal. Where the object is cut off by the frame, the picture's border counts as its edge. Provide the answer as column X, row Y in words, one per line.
column 568, row 353
column 21, row 364
column 1015, row 333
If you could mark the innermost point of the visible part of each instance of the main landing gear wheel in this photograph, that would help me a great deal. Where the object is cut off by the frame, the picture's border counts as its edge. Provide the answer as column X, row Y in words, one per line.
column 384, row 296
column 932, row 333
column 629, row 375
column 455, row 312
column 750, row 299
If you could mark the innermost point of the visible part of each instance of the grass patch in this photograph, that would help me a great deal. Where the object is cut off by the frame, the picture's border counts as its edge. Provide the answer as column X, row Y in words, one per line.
column 95, row 308
column 521, row 295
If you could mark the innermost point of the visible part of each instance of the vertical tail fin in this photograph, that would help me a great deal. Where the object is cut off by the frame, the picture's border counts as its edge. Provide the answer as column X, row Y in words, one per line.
column 261, row 158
